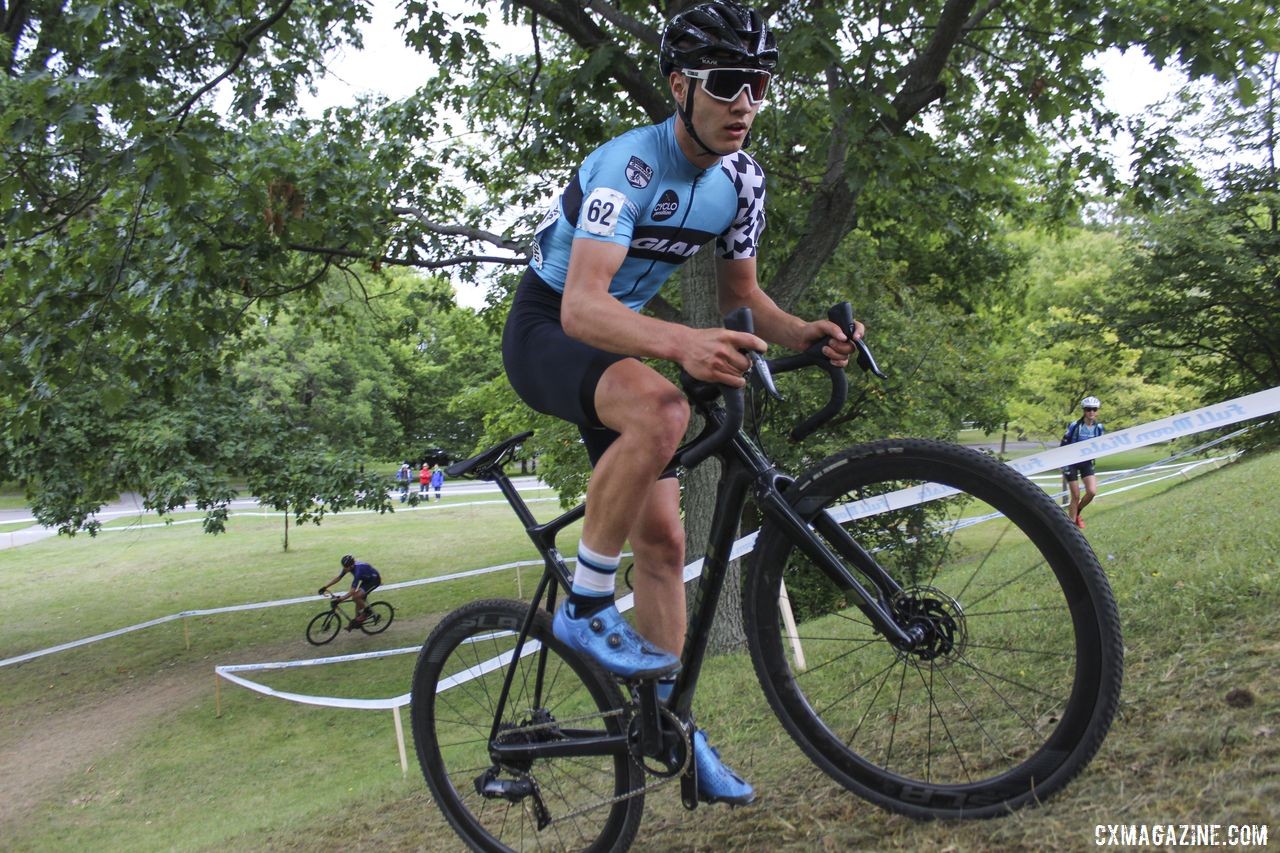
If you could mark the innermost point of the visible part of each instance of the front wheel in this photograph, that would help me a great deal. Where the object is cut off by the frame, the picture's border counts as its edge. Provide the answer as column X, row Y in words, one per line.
column 378, row 617
column 1015, row 680
column 558, row 802
column 324, row 627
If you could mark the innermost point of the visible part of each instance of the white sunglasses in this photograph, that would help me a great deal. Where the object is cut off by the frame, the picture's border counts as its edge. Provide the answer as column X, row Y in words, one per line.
column 726, row 84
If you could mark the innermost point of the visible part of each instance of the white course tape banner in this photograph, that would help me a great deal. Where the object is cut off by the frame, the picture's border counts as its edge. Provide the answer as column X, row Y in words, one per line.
column 1245, row 408
column 1210, row 417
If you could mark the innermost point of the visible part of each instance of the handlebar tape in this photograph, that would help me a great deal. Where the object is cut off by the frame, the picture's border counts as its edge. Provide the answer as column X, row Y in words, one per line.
column 839, row 392
column 737, row 320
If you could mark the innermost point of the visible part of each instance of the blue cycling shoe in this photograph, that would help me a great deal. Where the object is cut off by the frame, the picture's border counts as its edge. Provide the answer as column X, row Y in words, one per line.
column 717, row 783
column 609, row 640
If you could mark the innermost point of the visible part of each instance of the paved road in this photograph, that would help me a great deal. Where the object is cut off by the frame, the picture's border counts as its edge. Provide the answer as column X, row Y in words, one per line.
column 13, row 534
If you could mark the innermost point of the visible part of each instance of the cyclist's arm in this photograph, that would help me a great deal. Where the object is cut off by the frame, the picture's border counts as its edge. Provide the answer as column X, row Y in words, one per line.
column 594, row 316
column 738, row 286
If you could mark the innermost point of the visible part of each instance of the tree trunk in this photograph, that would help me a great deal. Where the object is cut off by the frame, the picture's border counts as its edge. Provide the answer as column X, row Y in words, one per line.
column 701, row 309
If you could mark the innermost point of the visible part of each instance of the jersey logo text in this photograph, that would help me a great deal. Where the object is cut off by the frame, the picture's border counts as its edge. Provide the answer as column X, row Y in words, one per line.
column 668, row 204
column 659, row 246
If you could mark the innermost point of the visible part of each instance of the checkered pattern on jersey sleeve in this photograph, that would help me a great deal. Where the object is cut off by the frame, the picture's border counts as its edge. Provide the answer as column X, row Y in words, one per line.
column 740, row 240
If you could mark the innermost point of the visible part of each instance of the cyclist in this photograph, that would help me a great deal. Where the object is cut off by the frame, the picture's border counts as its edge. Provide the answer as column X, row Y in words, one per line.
column 1085, row 428
column 364, row 580
column 639, row 206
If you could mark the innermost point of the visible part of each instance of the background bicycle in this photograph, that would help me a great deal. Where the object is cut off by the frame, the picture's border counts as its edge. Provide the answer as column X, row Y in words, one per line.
column 324, row 626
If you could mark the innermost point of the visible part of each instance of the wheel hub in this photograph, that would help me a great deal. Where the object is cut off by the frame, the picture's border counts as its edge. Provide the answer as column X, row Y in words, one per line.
column 936, row 620
column 539, row 727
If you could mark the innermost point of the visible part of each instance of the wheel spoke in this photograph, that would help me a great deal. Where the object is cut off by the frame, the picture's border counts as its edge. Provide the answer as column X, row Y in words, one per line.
column 956, row 723
column 548, row 691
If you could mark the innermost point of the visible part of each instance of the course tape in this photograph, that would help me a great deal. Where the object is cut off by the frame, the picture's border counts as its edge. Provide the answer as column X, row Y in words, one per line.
column 1209, row 417
column 1148, row 474
column 741, row 547
column 1231, row 412
column 345, row 512
column 229, row 673
column 258, row 605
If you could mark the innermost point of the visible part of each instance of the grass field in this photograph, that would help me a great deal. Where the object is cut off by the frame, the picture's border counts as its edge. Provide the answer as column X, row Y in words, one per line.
column 115, row 745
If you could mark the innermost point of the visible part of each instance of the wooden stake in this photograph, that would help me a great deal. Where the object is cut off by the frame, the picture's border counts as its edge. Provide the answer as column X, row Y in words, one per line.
column 186, row 633
column 404, row 762
column 789, row 621
column 217, row 696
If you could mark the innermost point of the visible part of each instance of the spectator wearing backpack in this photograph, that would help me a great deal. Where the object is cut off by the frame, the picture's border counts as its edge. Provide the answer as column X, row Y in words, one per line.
column 1086, row 428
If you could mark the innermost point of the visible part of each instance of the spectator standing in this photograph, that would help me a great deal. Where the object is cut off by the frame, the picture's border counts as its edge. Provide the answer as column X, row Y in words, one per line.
column 1086, row 428
column 402, row 480
column 437, row 480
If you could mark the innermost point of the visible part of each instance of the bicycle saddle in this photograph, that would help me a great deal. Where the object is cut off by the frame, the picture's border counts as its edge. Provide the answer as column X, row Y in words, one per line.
column 481, row 464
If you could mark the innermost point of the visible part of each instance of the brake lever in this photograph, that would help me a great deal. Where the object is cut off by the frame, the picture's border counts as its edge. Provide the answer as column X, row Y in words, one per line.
column 760, row 367
column 866, row 360
column 842, row 315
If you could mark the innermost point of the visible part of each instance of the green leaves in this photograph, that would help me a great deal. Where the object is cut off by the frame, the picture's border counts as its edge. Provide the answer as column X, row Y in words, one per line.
column 161, row 198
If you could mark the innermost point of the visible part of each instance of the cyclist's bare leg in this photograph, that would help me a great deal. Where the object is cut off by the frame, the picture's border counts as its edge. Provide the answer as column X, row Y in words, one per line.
column 357, row 595
column 1073, row 508
column 658, row 543
column 1090, row 492
column 650, row 416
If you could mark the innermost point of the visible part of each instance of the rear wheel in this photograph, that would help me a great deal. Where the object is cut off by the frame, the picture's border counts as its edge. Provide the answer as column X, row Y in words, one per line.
column 557, row 803
column 378, row 617
column 1014, row 686
column 324, row 627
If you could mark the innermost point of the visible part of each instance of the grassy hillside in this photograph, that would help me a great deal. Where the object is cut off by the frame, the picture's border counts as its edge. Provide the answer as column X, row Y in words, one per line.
column 115, row 745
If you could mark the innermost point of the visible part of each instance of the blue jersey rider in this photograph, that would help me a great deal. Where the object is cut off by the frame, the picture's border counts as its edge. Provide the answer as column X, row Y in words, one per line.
column 637, row 208
column 364, row 580
column 1084, row 429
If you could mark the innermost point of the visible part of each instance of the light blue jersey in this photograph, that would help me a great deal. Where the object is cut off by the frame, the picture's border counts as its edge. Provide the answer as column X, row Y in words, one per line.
column 639, row 190
column 1080, row 431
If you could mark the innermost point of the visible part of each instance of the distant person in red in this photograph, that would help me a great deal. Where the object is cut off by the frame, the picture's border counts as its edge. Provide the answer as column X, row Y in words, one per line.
column 424, row 478
column 364, row 580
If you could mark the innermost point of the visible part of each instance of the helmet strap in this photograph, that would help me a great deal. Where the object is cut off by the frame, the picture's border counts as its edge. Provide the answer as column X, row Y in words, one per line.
column 686, row 114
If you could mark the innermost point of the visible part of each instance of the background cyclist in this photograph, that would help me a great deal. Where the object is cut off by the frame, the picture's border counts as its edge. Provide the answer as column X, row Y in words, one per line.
column 1087, row 427
column 364, row 580
column 639, row 206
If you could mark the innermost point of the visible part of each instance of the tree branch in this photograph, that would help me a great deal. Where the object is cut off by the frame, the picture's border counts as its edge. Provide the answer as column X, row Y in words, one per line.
column 533, row 80
column 461, row 231
column 244, row 43
column 921, row 87
column 625, row 23
column 568, row 16
column 832, row 215
column 387, row 260
column 14, row 22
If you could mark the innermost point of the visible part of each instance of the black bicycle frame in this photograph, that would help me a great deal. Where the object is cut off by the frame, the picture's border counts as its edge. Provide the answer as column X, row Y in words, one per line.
column 744, row 468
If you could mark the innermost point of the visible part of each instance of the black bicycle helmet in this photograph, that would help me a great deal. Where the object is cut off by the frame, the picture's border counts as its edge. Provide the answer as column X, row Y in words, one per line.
column 348, row 561
column 717, row 34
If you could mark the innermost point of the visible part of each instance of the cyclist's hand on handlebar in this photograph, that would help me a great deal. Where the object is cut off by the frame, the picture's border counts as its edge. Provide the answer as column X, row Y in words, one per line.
column 838, row 346
column 323, row 590
column 716, row 355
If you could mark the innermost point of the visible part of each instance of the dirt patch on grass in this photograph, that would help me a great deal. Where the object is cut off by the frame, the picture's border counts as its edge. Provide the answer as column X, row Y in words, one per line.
column 43, row 747
column 50, row 749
